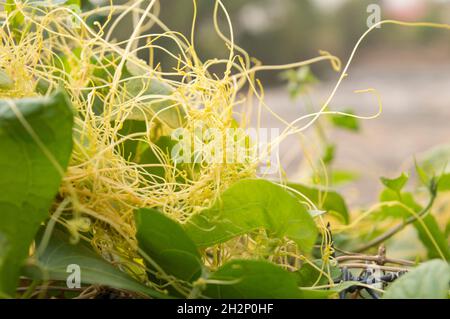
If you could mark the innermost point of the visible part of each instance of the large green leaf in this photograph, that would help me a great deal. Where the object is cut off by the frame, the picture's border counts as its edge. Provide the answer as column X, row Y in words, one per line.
column 35, row 143
column 249, row 205
column 165, row 241
column 251, row 279
column 428, row 281
column 325, row 199
column 444, row 182
column 94, row 270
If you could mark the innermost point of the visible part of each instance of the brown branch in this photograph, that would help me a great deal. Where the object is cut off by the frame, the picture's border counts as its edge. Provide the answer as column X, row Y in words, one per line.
column 375, row 259
column 365, row 266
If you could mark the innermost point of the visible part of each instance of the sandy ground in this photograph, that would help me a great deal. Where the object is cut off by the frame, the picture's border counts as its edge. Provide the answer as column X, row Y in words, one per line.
column 416, row 117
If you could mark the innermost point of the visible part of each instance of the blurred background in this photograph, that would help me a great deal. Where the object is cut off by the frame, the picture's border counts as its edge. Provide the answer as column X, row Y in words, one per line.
column 282, row 31
column 409, row 67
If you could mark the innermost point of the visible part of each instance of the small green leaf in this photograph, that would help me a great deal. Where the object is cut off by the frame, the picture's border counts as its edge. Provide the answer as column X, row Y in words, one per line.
column 345, row 122
column 428, row 281
column 251, row 279
column 32, row 161
column 165, row 241
column 59, row 254
column 340, row 177
column 328, row 200
column 299, row 81
column 249, row 205
column 395, row 184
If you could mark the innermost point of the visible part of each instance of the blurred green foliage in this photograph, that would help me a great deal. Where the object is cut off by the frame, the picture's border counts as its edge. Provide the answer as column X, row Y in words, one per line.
column 283, row 31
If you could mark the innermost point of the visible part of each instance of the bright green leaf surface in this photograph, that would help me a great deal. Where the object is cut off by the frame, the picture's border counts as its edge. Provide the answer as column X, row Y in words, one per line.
column 395, row 184
column 428, row 281
column 249, row 205
column 325, row 199
column 444, row 182
column 29, row 180
column 165, row 241
column 59, row 254
column 251, row 279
